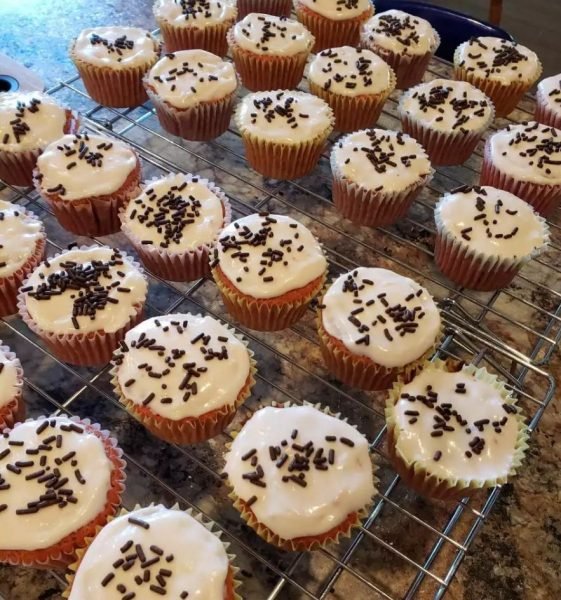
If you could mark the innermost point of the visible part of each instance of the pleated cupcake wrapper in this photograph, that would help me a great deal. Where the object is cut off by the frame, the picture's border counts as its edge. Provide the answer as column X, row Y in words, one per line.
column 187, row 265
column 331, row 33
column 279, row 8
column 14, row 411
column 543, row 113
column 85, row 349
column 416, row 476
column 211, row 38
column 315, row 542
column 207, row 524
column 64, row 552
column 543, row 197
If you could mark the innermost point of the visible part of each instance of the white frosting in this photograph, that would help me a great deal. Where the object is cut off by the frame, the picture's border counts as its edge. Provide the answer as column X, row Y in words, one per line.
column 482, row 400
column 398, row 337
column 549, row 91
column 295, row 264
column 257, row 114
column 199, row 566
column 350, row 71
column 10, row 383
column 266, row 34
column 100, row 171
column 513, row 151
column 448, row 106
column 115, row 47
column 19, row 233
column 176, row 78
column 401, row 33
column 361, row 157
column 195, row 13
column 514, row 231
column 192, row 392
column 55, row 314
column 36, row 127
column 51, row 524
column 338, row 10
column 330, row 496
column 498, row 60
column 162, row 214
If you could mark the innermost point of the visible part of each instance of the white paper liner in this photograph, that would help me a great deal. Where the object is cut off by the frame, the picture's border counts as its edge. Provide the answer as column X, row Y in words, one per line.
column 14, row 410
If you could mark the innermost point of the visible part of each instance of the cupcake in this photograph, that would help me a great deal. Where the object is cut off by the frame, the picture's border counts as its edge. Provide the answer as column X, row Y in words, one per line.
column 174, row 223
column 62, row 478
column 377, row 174
column 183, row 376
column 375, row 325
column 270, row 52
column 81, row 302
column 454, row 431
column 485, row 235
column 112, row 62
column 195, row 24
column 405, row 42
column 300, row 477
column 86, row 179
column 22, row 245
column 29, row 121
column 333, row 22
column 193, row 92
column 278, row 8
column 284, row 132
column 354, row 82
column 12, row 405
column 151, row 552
column 525, row 160
column 504, row 70
column 548, row 102
column 447, row 117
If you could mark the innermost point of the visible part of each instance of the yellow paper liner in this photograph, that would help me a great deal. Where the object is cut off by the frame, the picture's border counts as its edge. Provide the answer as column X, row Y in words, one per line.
column 544, row 114
column 417, row 476
column 14, row 411
column 279, row 8
column 211, row 38
column 64, row 552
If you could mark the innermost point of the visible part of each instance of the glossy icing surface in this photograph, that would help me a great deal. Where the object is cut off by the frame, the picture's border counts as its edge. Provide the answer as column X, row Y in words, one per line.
column 195, row 13
column 338, row 10
column 549, row 91
column 10, row 386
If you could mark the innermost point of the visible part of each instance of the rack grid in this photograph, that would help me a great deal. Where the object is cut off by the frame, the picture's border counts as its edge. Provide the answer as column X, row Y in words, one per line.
column 407, row 547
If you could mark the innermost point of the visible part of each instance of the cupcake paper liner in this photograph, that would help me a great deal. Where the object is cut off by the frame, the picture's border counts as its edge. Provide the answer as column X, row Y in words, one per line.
column 64, row 552
column 418, row 477
column 279, row 8
column 14, row 411
column 211, row 38
column 543, row 113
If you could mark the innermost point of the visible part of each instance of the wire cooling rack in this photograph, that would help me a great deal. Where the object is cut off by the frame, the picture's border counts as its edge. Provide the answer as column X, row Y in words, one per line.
column 407, row 547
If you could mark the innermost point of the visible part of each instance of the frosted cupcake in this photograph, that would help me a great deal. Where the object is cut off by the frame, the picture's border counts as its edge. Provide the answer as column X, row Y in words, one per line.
column 447, row 117
column 404, row 41
column 377, row 174
column 525, row 160
column 284, row 132
column 502, row 69
column 112, row 61
column 278, row 8
column 299, row 476
column 354, row 82
column 548, row 102
column 193, row 92
column 183, row 376
column 270, row 52
column 375, row 325
column 12, row 405
column 268, row 268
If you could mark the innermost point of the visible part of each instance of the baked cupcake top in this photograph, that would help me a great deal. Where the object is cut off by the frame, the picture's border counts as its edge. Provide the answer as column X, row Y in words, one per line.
column 260, row 33
column 83, row 165
column 528, row 152
column 379, row 314
column 447, row 106
column 153, row 552
column 19, row 233
column 115, row 47
column 378, row 159
column 498, row 60
column 266, row 256
column 400, row 33
column 350, row 71
column 182, row 365
column 338, row 10
column 283, row 116
column 10, row 377
column 195, row 13
column 299, row 470
column 178, row 213
column 29, row 121
column 549, row 90
column 55, row 479
column 491, row 222
column 83, row 290
column 189, row 77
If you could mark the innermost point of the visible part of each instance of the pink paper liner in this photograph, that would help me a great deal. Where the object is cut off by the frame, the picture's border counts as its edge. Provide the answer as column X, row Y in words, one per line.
column 279, row 8
column 14, row 411
column 546, row 115
column 211, row 38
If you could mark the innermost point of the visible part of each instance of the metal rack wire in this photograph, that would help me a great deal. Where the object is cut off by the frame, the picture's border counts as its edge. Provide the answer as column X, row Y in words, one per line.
column 407, row 546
